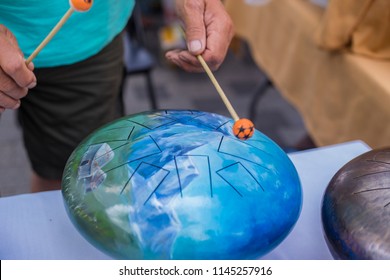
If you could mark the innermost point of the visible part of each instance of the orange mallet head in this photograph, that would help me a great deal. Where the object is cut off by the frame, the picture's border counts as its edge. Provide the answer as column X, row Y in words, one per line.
column 81, row 5
column 243, row 129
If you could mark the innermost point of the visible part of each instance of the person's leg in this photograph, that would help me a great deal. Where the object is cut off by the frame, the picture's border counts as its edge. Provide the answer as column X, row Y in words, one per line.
column 68, row 103
column 39, row 184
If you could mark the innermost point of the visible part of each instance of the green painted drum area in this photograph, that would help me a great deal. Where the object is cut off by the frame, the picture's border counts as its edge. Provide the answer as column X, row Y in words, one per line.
column 179, row 185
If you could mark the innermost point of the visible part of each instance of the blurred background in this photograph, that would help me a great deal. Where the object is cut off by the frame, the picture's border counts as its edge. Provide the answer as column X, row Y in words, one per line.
column 256, row 76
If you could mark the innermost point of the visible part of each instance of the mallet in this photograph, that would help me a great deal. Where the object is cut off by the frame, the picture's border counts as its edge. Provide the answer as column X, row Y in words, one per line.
column 242, row 128
column 75, row 5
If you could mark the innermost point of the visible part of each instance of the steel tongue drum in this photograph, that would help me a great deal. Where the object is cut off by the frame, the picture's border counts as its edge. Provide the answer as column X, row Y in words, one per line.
column 180, row 185
column 356, row 208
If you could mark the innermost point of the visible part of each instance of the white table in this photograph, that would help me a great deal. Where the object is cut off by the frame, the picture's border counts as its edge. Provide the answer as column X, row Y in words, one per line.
column 36, row 226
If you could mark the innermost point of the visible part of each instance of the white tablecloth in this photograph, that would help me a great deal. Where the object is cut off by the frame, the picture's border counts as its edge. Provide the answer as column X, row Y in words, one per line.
column 36, row 226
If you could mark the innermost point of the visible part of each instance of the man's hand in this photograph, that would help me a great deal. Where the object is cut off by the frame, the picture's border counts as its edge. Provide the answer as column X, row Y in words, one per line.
column 15, row 76
column 209, row 31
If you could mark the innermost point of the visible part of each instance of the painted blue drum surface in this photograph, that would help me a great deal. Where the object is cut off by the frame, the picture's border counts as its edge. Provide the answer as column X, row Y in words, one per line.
column 180, row 185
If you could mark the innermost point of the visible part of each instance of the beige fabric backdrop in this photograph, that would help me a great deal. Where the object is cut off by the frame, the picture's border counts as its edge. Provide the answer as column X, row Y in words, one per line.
column 341, row 96
column 361, row 26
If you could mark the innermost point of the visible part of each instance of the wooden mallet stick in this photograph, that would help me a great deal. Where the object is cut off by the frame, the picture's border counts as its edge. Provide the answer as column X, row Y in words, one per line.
column 50, row 35
column 75, row 5
column 222, row 94
column 242, row 128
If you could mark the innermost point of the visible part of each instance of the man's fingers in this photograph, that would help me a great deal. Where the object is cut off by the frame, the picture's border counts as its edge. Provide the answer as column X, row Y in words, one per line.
column 7, row 102
column 12, row 61
column 192, row 14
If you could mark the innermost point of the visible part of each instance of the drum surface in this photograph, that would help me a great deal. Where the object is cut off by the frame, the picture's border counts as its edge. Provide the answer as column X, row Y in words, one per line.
column 180, row 185
column 356, row 208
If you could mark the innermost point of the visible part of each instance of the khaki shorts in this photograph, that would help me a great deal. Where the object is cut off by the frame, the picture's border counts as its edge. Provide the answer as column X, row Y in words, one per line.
column 68, row 103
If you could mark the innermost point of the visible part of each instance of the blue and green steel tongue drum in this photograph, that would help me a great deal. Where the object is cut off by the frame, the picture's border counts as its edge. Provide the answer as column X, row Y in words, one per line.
column 179, row 185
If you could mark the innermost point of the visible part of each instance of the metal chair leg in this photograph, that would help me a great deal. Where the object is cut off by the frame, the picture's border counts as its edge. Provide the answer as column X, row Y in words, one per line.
column 151, row 92
column 260, row 92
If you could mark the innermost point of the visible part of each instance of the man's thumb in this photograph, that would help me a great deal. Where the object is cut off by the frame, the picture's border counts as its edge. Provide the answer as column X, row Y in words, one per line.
column 195, row 34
